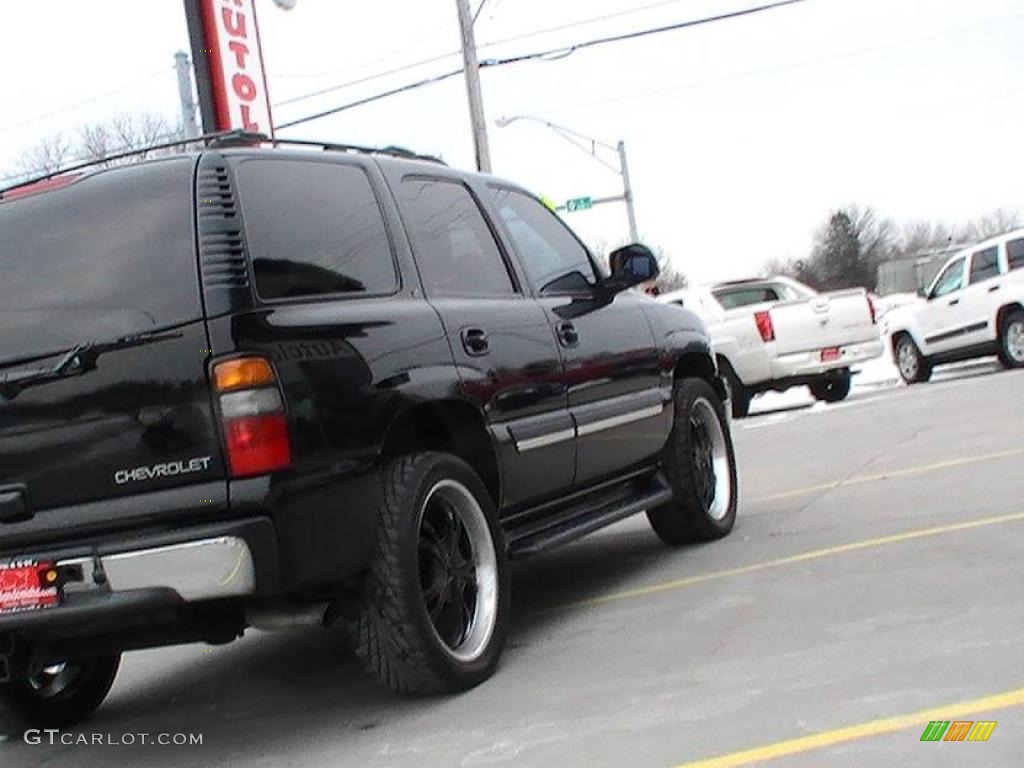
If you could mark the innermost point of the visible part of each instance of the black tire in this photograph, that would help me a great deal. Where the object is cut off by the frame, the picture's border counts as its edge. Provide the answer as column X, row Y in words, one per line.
column 393, row 633
column 739, row 395
column 832, row 390
column 40, row 702
column 698, row 511
column 1011, row 340
column 914, row 368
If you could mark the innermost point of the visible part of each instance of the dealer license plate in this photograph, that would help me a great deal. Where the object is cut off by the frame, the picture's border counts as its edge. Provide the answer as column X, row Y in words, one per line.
column 23, row 586
column 830, row 354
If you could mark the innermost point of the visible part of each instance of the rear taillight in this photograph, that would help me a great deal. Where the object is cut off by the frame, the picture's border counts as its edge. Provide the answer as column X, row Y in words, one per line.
column 252, row 416
column 872, row 310
column 765, row 326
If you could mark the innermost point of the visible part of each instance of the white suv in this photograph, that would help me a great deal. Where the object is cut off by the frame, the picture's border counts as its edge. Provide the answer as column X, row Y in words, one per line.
column 975, row 307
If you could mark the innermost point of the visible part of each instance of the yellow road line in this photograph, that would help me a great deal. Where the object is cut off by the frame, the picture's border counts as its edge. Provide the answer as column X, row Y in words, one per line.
column 862, row 731
column 803, row 557
column 963, row 462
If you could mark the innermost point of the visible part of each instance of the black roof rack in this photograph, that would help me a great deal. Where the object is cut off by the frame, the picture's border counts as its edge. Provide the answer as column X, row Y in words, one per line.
column 233, row 138
column 329, row 146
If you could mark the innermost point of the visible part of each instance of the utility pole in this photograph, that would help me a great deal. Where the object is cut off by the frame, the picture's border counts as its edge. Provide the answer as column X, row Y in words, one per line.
column 627, row 193
column 189, row 128
column 476, row 102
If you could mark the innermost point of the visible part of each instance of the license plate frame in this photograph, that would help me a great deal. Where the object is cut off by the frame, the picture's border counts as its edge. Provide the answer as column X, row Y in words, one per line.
column 22, row 589
column 831, row 354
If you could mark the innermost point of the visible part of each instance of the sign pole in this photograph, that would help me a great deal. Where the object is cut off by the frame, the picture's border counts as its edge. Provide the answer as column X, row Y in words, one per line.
column 201, row 65
column 627, row 193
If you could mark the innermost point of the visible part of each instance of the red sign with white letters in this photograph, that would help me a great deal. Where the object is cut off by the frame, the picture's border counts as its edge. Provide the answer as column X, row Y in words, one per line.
column 239, row 86
column 22, row 588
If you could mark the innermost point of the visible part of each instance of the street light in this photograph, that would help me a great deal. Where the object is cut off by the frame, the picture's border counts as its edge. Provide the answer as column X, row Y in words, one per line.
column 590, row 145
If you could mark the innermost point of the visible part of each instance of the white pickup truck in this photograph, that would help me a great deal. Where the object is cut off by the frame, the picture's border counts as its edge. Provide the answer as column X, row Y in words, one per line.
column 777, row 333
column 973, row 308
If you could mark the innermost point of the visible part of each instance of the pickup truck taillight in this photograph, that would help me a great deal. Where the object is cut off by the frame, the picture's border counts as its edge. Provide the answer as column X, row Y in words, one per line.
column 765, row 326
column 252, row 414
column 871, row 309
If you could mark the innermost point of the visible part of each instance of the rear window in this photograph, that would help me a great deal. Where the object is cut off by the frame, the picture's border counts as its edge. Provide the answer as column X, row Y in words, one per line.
column 1015, row 254
column 314, row 229
column 107, row 256
column 732, row 298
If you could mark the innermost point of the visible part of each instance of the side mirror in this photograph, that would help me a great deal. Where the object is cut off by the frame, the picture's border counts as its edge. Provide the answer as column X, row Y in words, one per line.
column 922, row 292
column 631, row 265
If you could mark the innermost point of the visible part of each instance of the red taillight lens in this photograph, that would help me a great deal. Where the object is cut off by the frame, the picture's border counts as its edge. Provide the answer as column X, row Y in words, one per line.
column 258, row 444
column 872, row 310
column 252, row 414
column 765, row 326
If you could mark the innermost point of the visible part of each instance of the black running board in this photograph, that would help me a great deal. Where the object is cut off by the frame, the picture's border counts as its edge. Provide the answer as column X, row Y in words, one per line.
column 590, row 514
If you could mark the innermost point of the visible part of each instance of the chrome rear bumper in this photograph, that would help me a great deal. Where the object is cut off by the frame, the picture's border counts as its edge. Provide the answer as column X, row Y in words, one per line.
column 195, row 570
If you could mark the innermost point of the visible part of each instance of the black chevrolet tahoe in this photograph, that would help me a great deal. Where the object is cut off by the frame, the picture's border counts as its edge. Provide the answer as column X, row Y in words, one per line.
column 268, row 386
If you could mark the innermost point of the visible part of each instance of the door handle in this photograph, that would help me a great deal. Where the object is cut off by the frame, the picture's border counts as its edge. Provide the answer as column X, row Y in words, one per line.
column 567, row 334
column 954, row 302
column 474, row 340
column 993, row 289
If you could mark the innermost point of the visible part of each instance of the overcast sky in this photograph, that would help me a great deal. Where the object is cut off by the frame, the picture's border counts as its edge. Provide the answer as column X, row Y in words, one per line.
column 742, row 135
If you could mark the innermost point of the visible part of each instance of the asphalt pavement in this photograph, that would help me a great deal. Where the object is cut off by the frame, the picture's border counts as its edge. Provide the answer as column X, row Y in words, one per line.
column 874, row 582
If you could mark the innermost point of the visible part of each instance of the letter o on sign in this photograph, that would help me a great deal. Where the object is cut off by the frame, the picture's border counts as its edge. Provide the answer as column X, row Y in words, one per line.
column 244, row 87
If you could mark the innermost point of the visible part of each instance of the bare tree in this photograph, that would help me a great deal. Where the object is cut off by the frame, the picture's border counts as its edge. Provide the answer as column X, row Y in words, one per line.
column 855, row 241
column 48, row 156
column 877, row 235
column 921, row 236
column 991, row 224
column 96, row 142
column 671, row 279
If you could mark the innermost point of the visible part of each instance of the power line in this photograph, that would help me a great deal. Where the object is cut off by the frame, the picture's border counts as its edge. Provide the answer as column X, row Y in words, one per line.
column 570, row 49
column 547, row 55
column 91, row 100
column 736, row 76
column 369, row 99
column 450, row 54
column 366, row 79
column 415, row 43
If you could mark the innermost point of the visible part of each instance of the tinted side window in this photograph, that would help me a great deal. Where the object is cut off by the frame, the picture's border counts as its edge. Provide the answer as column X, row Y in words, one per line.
column 313, row 229
column 743, row 297
column 551, row 255
column 985, row 264
column 455, row 250
column 1015, row 254
column 950, row 280
column 107, row 256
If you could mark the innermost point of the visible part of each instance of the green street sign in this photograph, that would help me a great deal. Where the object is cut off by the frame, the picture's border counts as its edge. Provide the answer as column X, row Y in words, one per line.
column 579, row 204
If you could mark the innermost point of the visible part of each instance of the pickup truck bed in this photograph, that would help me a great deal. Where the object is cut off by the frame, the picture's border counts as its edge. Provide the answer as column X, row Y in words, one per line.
column 775, row 334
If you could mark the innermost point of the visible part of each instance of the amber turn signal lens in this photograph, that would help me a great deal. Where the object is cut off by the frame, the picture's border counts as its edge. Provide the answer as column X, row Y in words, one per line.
column 242, row 373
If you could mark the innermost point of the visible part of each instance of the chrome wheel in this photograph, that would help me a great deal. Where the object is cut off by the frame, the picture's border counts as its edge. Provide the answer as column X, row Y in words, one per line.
column 1015, row 341
column 710, row 459
column 458, row 570
column 908, row 361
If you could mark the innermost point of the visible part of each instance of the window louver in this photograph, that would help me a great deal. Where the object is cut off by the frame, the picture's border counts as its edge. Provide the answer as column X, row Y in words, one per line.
column 221, row 246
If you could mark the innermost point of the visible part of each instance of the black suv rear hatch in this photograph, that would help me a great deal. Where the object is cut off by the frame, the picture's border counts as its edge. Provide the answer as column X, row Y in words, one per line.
column 104, row 401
